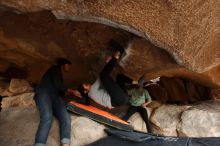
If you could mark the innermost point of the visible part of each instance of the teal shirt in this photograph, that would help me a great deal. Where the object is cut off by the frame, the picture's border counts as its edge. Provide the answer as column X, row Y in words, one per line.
column 138, row 96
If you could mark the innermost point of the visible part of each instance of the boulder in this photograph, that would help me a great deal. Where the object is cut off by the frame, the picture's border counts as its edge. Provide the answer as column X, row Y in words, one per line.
column 6, row 93
column 22, row 100
column 154, row 104
column 189, row 30
column 85, row 131
column 201, row 120
column 166, row 118
column 18, row 86
column 18, row 127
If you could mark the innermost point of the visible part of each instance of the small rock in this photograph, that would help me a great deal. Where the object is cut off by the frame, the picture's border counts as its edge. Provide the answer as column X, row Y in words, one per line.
column 85, row 131
column 22, row 100
column 18, row 86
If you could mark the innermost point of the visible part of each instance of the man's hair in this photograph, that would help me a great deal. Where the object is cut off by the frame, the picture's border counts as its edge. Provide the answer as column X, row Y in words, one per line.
column 116, row 46
column 63, row 61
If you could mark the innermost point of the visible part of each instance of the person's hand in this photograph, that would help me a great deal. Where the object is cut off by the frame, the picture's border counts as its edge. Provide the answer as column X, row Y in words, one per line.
column 143, row 105
column 117, row 55
column 135, row 82
column 75, row 93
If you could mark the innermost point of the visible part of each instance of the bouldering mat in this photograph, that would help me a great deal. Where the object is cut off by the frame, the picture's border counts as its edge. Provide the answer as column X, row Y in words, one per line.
column 123, row 138
column 99, row 115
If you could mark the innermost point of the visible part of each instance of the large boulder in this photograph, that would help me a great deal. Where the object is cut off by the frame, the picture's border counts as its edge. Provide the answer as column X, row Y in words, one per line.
column 166, row 118
column 201, row 120
column 85, row 131
column 189, row 30
column 19, row 125
column 55, row 37
column 18, row 86
column 22, row 100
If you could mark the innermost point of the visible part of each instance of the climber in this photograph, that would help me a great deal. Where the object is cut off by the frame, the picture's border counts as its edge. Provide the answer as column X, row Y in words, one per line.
column 140, row 98
column 49, row 102
column 105, row 91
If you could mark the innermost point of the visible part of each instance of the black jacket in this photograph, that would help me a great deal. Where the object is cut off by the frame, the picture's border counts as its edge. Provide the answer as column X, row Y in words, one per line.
column 52, row 81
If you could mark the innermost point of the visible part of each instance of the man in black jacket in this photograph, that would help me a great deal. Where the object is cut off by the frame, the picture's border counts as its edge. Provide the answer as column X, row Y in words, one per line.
column 49, row 102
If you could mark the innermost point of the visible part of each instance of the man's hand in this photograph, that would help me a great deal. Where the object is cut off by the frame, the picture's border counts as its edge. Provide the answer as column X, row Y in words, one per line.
column 75, row 93
column 117, row 55
column 134, row 82
column 144, row 105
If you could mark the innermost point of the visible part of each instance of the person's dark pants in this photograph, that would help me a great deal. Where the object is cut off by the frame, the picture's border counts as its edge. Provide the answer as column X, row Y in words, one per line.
column 143, row 113
column 49, row 105
column 116, row 91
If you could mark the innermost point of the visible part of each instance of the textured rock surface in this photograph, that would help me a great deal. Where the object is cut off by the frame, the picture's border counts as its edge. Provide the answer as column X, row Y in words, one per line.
column 23, row 123
column 18, row 86
column 142, row 56
column 78, row 42
column 22, row 100
column 201, row 120
column 189, row 30
column 166, row 119
column 18, row 127
column 85, row 131
column 83, row 43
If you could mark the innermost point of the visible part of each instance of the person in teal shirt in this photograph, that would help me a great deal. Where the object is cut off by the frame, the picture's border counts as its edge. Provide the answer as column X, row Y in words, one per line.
column 140, row 98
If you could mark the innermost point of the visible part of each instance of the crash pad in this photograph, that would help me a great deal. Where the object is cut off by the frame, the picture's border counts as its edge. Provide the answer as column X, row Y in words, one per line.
column 135, row 138
column 99, row 115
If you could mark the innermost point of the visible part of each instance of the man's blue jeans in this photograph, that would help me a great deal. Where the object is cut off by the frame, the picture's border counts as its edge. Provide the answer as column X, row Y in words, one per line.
column 50, row 104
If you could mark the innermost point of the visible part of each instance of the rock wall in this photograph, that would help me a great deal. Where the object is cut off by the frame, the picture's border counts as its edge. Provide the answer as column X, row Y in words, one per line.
column 33, row 41
column 189, row 30
column 29, row 48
